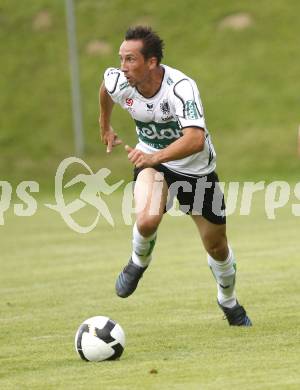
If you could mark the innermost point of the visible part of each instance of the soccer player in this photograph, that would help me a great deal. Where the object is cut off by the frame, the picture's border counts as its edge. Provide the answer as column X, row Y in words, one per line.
column 174, row 156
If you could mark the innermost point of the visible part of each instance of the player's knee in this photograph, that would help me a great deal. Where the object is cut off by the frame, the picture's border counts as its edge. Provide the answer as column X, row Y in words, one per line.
column 148, row 225
column 218, row 252
column 217, row 248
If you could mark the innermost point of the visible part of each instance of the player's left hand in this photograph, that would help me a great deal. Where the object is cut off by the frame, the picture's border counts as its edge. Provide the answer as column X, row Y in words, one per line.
column 139, row 158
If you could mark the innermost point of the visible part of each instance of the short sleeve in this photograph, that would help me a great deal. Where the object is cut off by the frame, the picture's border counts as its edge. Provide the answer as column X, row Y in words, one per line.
column 115, row 83
column 188, row 106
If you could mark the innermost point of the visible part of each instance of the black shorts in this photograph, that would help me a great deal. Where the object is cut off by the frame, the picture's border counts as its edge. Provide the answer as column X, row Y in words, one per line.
column 196, row 195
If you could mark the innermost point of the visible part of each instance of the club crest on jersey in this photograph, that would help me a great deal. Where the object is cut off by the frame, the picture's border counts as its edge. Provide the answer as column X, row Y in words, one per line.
column 129, row 102
column 165, row 108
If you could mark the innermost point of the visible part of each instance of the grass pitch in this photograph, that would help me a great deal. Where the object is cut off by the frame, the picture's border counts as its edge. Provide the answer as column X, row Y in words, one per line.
column 53, row 278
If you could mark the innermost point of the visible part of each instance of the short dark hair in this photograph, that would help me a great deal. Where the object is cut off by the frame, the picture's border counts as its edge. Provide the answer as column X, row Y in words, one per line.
column 152, row 44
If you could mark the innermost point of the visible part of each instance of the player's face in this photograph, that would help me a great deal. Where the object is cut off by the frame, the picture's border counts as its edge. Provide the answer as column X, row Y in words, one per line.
column 133, row 63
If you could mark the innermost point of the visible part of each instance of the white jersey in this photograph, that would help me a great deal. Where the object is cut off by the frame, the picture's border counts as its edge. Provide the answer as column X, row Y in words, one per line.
column 160, row 119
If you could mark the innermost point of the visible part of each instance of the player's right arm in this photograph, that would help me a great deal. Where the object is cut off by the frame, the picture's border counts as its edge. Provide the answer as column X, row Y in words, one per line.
column 107, row 134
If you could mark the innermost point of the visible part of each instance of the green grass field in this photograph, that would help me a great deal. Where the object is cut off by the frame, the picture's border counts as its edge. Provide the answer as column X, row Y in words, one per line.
column 53, row 278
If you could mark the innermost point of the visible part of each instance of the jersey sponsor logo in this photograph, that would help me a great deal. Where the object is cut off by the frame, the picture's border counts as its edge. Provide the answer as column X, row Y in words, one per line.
column 158, row 135
column 129, row 102
column 190, row 109
column 151, row 132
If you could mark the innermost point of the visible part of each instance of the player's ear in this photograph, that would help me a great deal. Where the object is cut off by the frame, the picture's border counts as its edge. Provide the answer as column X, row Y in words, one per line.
column 152, row 61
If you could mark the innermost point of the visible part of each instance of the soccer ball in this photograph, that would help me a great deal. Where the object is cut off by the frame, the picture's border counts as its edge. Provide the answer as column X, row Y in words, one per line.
column 99, row 338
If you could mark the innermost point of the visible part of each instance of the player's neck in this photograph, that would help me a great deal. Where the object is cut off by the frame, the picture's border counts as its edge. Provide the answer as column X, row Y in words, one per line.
column 152, row 85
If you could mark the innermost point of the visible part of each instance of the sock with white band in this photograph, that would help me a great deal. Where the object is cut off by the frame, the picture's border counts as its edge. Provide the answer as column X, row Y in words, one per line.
column 142, row 247
column 224, row 273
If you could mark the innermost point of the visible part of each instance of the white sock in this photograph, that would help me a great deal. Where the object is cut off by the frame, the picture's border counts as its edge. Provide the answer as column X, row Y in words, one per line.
column 142, row 247
column 224, row 273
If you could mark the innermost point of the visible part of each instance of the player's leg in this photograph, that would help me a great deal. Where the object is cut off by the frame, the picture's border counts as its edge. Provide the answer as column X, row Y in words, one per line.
column 222, row 263
column 150, row 196
column 220, row 258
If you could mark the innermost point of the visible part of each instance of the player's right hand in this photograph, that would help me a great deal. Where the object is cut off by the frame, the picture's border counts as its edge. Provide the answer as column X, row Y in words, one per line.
column 110, row 138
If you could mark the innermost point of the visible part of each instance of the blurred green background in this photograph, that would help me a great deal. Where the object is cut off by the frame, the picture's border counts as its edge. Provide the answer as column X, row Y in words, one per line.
column 244, row 55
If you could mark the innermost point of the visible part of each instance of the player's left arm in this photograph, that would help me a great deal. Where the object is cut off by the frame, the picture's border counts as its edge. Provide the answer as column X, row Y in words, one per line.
column 191, row 142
